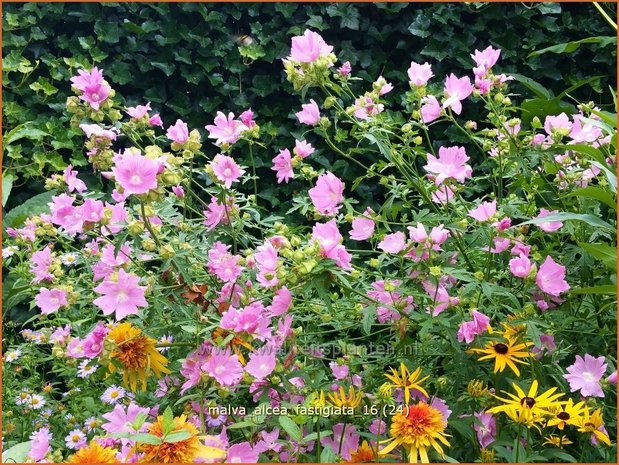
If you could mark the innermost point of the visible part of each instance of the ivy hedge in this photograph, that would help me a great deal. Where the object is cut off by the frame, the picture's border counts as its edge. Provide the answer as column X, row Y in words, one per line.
column 187, row 60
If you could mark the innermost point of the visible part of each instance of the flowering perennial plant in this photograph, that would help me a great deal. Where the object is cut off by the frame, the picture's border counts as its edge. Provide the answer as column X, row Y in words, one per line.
column 467, row 313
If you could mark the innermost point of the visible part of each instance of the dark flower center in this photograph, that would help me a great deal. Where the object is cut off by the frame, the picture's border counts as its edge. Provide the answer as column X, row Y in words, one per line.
column 501, row 348
column 528, row 401
column 564, row 416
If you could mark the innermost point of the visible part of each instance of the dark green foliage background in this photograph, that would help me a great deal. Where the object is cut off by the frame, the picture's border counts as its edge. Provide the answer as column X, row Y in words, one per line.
column 184, row 59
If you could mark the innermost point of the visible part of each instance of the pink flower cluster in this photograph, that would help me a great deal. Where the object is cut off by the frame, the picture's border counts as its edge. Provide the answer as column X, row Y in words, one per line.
column 94, row 90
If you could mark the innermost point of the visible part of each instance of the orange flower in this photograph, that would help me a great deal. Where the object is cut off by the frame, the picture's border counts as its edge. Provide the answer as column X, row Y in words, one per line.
column 417, row 429
column 94, row 453
column 183, row 451
column 136, row 354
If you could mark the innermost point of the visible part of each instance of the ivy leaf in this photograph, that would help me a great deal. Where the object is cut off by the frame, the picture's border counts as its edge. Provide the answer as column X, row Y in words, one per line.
column 107, row 31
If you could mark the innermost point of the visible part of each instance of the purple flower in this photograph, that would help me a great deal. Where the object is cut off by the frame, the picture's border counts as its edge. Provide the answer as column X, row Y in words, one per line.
column 585, row 375
column 485, row 428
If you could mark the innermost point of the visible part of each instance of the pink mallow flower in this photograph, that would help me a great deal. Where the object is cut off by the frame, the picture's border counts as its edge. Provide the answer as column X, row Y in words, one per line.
column 344, row 439
column 135, row 173
column 419, row 75
column 585, row 375
column 520, row 267
column 224, row 367
column 309, row 47
column 485, row 428
column 303, row 148
column 261, row 365
column 485, row 60
column 430, row 110
column 121, row 419
column 122, row 296
column 226, row 130
column 456, row 90
column 282, row 165
column 39, row 265
column 178, row 133
column 484, row 211
column 94, row 89
column 327, row 194
column 73, row 183
column 451, row 163
column 329, row 239
column 560, row 124
column 138, row 112
column 40, row 444
column 551, row 278
column 469, row 329
column 362, row 228
column 310, row 113
column 226, row 169
column 393, row 243
column 50, row 300
column 549, row 226
column 345, row 69
column 242, row 453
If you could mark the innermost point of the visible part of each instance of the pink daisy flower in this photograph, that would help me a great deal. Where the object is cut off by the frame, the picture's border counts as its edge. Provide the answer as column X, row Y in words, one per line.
column 327, row 194
column 225, row 368
column 226, row 169
column 122, row 297
column 585, row 375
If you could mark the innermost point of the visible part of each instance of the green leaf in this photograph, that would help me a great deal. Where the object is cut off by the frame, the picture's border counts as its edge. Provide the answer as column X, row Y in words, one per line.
column 542, row 107
column 7, row 185
column 570, row 47
column 533, row 86
column 177, row 436
column 369, row 316
column 603, row 252
column 327, row 455
column 167, row 68
column 602, row 289
column 25, row 130
column 597, row 193
column 17, row 453
column 291, row 428
column 146, row 438
column 564, row 216
column 168, row 421
column 610, row 176
column 107, row 31
column 33, row 206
